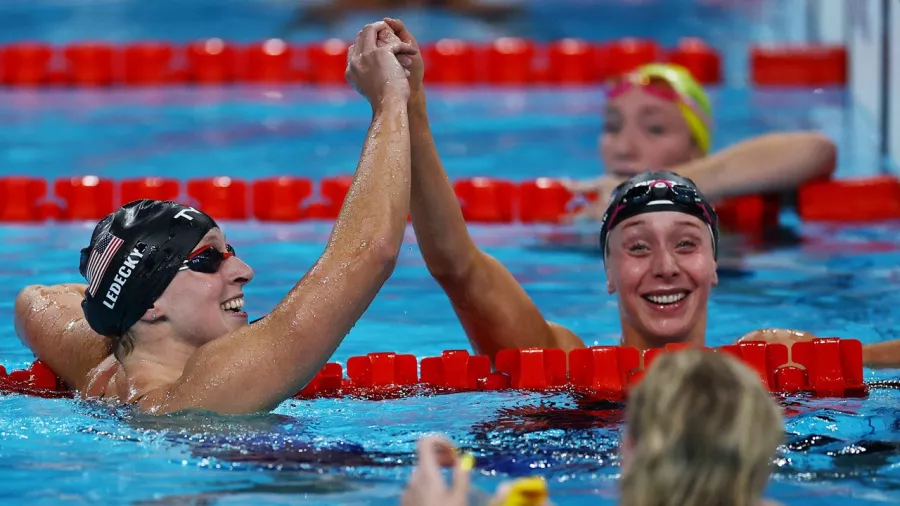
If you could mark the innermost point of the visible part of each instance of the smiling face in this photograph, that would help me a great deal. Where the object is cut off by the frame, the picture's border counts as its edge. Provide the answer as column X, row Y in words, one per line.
column 643, row 132
column 202, row 306
column 661, row 266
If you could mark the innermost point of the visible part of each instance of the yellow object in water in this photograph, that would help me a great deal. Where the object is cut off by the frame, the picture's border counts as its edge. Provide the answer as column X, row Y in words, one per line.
column 527, row 492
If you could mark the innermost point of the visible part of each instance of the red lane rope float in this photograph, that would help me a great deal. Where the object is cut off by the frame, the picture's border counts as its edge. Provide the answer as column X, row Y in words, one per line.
column 825, row 367
column 798, row 65
column 482, row 199
column 850, row 200
column 215, row 61
column 38, row 380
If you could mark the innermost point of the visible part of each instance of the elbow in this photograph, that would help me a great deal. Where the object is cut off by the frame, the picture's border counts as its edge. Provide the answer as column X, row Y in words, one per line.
column 457, row 270
column 25, row 299
column 22, row 308
column 822, row 155
column 380, row 257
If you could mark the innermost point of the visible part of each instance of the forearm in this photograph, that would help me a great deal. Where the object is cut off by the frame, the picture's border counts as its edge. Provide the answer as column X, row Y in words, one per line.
column 766, row 164
column 258, row 367
column 377, row 204
column 440, row 229
column 882, row 355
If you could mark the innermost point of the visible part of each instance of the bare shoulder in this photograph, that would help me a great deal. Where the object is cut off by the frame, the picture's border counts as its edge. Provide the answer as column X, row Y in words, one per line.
column 565, row 338
column 777, row 335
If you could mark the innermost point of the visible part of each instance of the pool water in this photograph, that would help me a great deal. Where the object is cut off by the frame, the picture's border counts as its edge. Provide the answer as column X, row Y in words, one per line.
column 830, row 280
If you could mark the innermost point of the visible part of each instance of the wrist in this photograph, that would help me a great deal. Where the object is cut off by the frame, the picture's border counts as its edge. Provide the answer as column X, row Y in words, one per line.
column 417, row 95
column 390, row 103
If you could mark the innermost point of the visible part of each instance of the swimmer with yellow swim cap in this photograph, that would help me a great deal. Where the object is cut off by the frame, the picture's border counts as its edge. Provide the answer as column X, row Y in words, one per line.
column 658, row 117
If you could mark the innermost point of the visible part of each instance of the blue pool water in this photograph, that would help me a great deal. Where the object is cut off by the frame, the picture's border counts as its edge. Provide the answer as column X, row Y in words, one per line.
column 829, row 280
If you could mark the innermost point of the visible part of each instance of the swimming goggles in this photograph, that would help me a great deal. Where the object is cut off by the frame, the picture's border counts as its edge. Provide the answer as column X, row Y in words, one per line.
column 660, row 191
column 658, row 195
column 207, row 259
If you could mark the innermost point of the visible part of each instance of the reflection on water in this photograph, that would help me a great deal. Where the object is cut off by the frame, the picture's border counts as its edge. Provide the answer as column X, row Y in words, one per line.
column 834, row 441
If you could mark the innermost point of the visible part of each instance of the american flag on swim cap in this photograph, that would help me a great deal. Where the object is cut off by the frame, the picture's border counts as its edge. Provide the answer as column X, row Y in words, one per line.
column 101, row 256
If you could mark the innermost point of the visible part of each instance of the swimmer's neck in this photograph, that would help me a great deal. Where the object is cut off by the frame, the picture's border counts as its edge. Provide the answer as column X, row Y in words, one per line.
column 154, row 364
column 633, row 337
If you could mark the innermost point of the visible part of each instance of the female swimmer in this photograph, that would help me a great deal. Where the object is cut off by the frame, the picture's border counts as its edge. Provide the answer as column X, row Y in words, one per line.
column 658, row 117
column 700, row 429
column 167, row 289
column 660, row 242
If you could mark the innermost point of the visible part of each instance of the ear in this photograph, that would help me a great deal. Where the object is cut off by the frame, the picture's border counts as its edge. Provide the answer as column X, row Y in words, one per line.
column 610, row 287
column 695, row 153
column 715, row 276
column 153, row 314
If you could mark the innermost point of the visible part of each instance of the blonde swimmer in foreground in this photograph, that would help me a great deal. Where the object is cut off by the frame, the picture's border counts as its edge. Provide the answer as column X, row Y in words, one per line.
column 700, row 429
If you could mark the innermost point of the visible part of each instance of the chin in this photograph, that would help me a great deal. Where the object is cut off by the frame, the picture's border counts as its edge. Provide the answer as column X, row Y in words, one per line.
column 663, row 337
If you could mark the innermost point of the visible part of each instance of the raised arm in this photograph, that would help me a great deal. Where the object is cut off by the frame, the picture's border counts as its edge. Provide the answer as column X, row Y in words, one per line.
column 492, row 306
column 257, row 367
column 765, row 164
column 49, row 320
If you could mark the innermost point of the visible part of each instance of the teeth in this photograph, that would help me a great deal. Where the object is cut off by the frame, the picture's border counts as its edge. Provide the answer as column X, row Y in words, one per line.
column 233, row 304
column 666, row 299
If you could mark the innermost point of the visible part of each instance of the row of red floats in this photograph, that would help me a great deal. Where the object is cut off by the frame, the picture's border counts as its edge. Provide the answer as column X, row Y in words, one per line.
column 449, row 61
column 824, row 367
column 506, row 60
column 482, row 200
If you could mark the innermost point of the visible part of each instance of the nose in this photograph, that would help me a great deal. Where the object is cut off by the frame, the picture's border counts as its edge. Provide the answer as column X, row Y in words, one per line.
column 238, row 271
column 665, row 265
column 623, row 146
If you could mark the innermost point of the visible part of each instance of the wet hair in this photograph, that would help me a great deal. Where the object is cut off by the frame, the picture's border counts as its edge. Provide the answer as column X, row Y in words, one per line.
column 704, row 431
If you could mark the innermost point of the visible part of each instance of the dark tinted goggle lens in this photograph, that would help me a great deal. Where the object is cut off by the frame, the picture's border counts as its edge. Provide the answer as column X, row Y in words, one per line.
column 208, row 259
column 676, row 193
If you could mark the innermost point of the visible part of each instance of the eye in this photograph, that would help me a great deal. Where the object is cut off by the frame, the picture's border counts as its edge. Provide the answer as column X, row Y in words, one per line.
column 638, row 247
column 687, row 244
column 656, row 129
column 611, row 127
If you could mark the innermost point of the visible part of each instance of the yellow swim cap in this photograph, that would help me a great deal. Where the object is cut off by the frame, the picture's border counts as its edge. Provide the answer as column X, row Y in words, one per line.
column 694, row 103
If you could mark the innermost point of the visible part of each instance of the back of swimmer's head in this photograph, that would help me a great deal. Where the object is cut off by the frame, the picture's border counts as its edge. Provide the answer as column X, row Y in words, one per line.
column 701, row 429
column 656, row 116
column 134, row 254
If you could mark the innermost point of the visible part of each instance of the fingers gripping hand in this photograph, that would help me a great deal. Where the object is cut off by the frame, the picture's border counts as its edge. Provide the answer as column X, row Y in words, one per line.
column 373, row 69
column 413, row 63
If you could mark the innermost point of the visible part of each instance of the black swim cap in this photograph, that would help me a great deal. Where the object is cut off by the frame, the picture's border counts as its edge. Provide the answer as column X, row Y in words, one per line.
column 134, row 254
column 654, row 192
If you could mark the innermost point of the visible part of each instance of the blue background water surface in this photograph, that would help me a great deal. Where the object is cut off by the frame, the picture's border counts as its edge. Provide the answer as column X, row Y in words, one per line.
column 829, row 280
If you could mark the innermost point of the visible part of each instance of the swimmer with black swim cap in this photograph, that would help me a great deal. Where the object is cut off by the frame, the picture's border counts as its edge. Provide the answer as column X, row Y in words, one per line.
column 166, row 288
column 137, row 252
